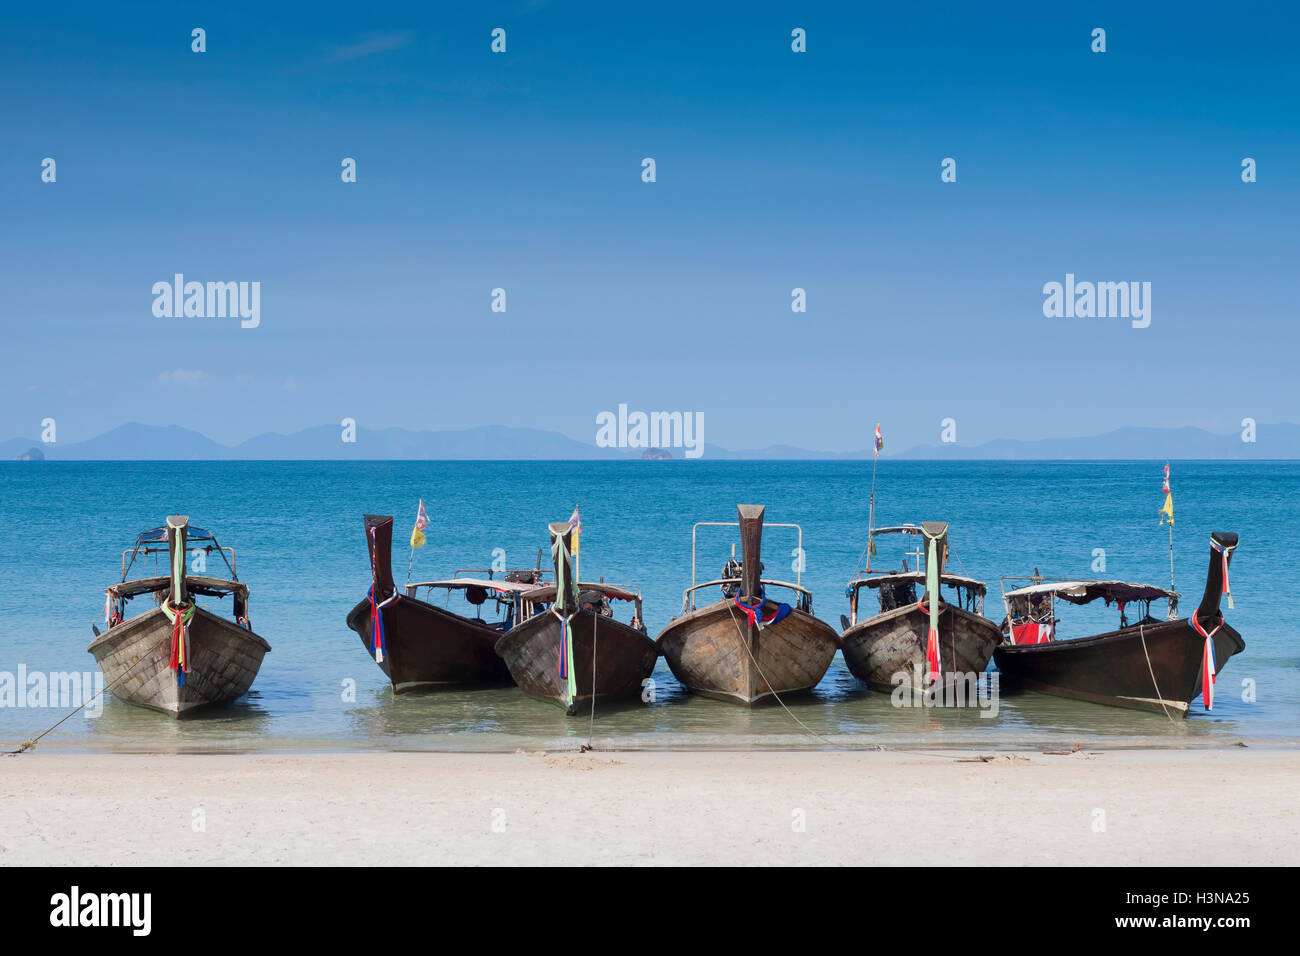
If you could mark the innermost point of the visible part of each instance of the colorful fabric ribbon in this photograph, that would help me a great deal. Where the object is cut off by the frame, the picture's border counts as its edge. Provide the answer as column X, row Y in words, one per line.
column 755, row 613
column 1226, row 552
column 933, row 660
column 180, row 650
column 1209, row 672
column 377, row 625
column 564, row 644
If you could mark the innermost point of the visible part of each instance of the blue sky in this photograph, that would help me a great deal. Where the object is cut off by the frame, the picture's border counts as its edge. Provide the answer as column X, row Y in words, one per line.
column 775, row 170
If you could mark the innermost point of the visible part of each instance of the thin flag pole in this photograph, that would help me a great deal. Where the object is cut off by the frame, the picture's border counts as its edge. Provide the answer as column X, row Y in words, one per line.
column 871, row 508
column 1167, row 511
column 1171, row 555
column 871, row 511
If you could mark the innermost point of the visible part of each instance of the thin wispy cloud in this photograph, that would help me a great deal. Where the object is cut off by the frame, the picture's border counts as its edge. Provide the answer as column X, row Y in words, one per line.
column 183, row 377
column 368, row 45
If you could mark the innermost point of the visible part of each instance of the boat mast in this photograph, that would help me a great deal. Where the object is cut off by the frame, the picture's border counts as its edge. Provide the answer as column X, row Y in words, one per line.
column 871, row 508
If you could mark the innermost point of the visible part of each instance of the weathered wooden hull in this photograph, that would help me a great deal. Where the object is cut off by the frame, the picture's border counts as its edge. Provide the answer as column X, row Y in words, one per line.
column 427, row 646
column 623, row 658
column 714, row 651
column 1116, row 670
column 224, row 660
column 894, row 642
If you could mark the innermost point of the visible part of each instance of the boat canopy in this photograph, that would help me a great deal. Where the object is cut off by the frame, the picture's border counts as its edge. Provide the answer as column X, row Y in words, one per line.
column 546, row 593
column 457, row 584
column 898, row 529
column 159, row 535
column 1085, row 592
column 918, row 577
column 195, row 584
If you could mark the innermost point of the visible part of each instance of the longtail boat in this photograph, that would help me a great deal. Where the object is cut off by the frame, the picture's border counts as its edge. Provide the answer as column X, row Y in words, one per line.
column 420, row 645
column 574, row 652
column 746, row 647
column 1151, row 664
column 177, row 656
column 914, row 641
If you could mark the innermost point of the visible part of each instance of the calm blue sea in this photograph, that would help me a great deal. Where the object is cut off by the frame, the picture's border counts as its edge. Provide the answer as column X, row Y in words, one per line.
column 297, row 532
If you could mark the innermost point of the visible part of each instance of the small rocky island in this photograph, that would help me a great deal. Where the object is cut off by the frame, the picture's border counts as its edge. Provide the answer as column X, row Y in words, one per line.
column 31, row 454
column 656, row 454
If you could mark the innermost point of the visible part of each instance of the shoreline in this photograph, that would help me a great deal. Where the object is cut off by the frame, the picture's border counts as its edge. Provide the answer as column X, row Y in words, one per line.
column 477, row 744
column 942, row 807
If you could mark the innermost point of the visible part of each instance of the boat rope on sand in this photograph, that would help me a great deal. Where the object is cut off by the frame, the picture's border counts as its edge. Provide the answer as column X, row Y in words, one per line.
column 1151, row 670
column 744, row 642
column 31, row 744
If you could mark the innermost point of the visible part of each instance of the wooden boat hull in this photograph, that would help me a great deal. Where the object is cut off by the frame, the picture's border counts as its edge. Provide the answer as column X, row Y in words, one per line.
column 877, row 649
column 224, row 660
column 715, row 652
column 427, row 646
column 1114, row 669
column 623, row 658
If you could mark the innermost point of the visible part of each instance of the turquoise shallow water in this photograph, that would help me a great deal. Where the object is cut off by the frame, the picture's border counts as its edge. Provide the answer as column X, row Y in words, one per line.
column 296, row 528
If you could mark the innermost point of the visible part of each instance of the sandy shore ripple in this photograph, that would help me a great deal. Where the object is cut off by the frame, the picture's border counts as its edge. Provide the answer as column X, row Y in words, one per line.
column 1204, row 807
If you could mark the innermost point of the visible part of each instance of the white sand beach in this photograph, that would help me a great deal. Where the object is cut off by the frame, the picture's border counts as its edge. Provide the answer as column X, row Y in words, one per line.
column 1208, row 807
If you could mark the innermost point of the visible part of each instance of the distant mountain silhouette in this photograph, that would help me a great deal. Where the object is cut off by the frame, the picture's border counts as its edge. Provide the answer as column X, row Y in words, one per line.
column 137, row 442
column 1272, row 442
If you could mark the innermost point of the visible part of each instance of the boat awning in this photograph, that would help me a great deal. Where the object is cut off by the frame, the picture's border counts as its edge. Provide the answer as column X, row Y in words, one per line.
column 547, row 592
column 192, row 535
column 1085, row 592
column 459, row 584
column 196, row 584
column 918, row 577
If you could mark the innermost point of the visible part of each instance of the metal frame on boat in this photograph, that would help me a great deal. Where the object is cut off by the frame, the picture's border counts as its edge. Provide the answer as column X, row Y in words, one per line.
column 178, row 656
column 913, row 641
column 746, row 647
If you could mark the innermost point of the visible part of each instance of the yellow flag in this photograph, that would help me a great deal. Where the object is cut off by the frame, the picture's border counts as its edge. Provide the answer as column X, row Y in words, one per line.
column 421, row 522
column 1168, row 510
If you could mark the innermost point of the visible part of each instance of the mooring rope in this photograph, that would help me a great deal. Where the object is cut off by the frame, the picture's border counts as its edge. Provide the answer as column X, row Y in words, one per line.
column 30, row 744
column 1150, row 670
column 744, row 642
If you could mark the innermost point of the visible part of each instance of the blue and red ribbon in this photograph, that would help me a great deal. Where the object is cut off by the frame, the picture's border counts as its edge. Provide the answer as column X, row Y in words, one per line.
column 755, row 612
